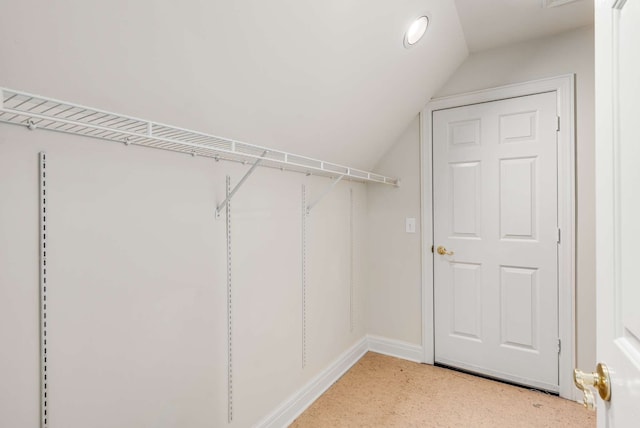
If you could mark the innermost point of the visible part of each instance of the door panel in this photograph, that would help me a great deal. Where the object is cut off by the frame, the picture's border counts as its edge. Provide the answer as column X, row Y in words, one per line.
column 465, row 199
column 465, row 132
column 518, row 127
column 466, row 296
column 495, row 208
column 519, row 307
column 518, row 198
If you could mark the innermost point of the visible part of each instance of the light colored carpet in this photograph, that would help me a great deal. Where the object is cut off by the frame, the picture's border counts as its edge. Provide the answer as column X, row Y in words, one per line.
column 381, row 391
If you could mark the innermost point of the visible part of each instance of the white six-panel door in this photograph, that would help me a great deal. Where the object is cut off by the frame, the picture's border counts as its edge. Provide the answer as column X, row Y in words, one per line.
column 495, row 209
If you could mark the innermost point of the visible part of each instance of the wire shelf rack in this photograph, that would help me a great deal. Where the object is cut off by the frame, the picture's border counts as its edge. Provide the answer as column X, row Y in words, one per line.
column 38, row 112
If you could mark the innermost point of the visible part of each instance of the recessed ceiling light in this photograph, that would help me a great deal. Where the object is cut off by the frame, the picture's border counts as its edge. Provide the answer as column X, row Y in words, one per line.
column 416, row 31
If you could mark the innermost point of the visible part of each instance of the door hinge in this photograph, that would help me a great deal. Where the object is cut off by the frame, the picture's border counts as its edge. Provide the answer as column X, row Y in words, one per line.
column 558, row 124
column 559, row 235
column 559, row 345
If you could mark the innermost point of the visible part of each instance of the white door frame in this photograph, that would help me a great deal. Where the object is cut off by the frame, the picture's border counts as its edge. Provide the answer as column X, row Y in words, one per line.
column 564, row 88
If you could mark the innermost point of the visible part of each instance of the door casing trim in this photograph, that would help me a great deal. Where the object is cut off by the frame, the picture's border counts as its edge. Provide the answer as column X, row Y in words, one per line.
column 564, row 86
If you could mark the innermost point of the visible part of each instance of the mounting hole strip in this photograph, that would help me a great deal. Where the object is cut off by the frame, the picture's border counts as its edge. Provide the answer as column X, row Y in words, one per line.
column 351, row 285
column 229, row 309
column 304, row 275
column 44, row 417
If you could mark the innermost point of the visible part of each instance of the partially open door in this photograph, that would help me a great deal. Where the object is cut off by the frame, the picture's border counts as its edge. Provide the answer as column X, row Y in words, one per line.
column 618, row 214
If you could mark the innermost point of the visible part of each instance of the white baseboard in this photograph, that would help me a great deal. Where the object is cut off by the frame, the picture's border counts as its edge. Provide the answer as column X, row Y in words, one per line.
column 293, row 407
column 395, row 348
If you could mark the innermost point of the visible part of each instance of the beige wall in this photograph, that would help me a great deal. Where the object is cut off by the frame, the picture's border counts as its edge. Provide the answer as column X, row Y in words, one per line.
column 137, row 270
column 394, row 282
column 393, row 311
column 137, row 285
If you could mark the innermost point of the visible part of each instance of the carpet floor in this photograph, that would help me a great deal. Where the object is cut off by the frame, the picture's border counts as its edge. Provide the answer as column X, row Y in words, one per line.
column 382, row 391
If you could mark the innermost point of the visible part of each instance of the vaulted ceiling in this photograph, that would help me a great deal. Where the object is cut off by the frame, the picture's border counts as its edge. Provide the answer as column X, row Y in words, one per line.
column 492, row 23
column 328, row 79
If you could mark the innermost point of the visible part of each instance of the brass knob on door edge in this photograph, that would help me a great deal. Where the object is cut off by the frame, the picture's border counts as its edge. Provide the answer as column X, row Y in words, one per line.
column 599, row 379
column 443, row 251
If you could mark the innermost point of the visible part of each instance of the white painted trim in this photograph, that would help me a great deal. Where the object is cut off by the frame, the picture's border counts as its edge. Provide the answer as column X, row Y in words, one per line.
column 564, row 88
column 426, row 201
column 395, row 348
column 293, row 407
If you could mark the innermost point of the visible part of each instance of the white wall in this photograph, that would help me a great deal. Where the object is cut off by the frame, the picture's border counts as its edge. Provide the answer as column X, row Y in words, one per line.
column 394, row 278
column 329, row 79
column 399, row 268
column 137, row 331
column 138, row 266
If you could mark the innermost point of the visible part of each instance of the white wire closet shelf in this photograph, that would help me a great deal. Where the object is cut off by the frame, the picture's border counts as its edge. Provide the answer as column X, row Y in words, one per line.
column 38, row 112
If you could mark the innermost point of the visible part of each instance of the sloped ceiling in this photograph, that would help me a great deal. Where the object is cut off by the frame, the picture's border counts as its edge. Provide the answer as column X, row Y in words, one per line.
column 492, row 23
column 329, row 79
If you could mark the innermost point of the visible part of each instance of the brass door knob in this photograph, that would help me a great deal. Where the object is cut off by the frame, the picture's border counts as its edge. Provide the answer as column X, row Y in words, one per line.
column 443, row 251
column 599, row 380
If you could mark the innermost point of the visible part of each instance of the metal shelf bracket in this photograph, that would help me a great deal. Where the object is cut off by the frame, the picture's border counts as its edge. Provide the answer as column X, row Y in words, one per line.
column 323, row 194
column 220, row 207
